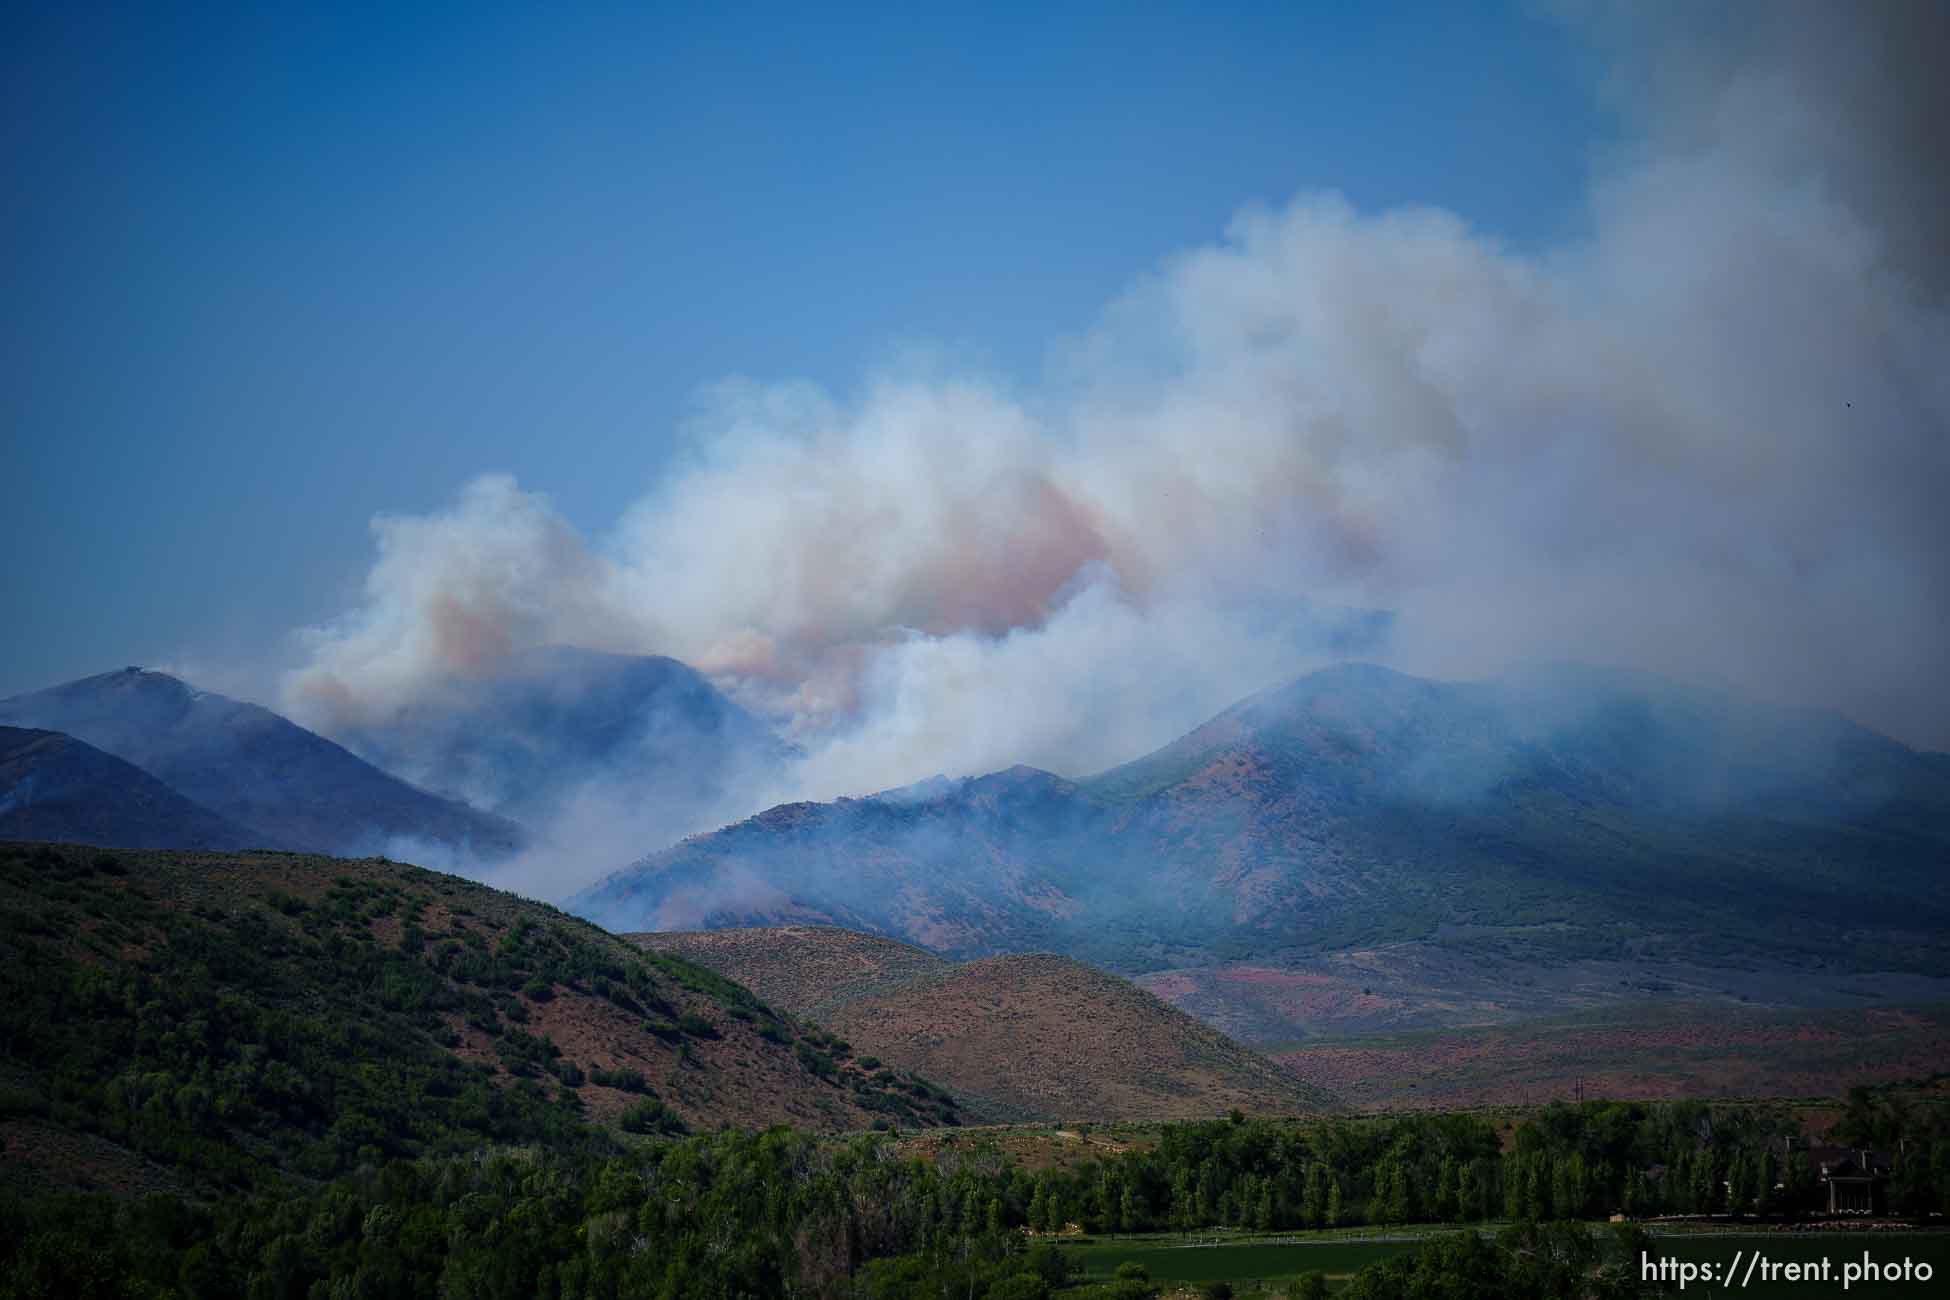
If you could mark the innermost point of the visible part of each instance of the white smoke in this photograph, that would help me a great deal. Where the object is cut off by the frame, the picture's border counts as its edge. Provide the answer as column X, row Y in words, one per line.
column 1708, row 439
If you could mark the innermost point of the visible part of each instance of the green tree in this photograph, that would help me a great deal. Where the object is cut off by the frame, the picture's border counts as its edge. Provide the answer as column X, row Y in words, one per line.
column 1447, row 1200
column 1307, row 1286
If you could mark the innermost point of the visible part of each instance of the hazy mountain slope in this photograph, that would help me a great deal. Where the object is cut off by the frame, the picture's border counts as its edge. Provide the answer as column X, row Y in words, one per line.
column 233, row 1017
column 1030, row 1036
column 1572, row 812
column 963, row 868
column 806, row 970
column 1570, row 797
column 557, row 723
column 294, row 788
column 53, row 787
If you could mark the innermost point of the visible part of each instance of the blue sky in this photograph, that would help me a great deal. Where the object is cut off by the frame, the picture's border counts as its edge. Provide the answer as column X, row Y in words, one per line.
column 273, row 271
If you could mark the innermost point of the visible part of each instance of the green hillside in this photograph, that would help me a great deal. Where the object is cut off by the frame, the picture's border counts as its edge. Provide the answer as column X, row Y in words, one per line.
column 226, row 1021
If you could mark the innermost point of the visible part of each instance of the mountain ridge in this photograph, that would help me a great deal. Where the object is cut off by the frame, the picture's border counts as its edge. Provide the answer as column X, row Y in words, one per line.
column 542, row 728
column 54, row 787
column 1358, row 805
column 294, row 788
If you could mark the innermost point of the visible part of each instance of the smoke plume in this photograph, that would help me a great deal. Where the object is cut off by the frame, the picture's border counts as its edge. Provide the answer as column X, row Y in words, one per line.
column 1707, row 439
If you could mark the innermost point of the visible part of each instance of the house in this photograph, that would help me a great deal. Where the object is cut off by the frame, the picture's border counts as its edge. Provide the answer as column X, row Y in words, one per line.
column 1856, row 1179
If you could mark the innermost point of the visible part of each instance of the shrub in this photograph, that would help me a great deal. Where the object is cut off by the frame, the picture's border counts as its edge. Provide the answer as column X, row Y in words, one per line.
column 815, row 1060
column 696, row 1026
column 1019, row 1286
column 652, row 1119
column 1308, row 1286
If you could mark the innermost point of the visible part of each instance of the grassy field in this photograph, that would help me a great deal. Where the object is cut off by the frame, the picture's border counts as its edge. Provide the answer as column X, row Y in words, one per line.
column 1262, row 1267
column 1252, row 1267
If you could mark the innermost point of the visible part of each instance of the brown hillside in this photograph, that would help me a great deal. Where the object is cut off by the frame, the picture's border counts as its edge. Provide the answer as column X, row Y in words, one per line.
column 1053, row 1038
column 1680, row 1050
column 1019, row 1037
column 808, row 970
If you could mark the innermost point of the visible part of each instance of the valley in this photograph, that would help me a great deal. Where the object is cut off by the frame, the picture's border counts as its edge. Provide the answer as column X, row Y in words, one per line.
column 951, row 652
column 1361, row 950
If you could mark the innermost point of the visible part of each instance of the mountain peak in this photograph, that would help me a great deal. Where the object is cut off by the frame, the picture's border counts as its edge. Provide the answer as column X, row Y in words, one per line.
column 547, row 726
column 133, row 677
column 249, row 765
column 1020, row 775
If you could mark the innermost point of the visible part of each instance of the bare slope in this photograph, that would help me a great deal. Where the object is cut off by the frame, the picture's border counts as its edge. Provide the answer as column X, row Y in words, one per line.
column 808, row 970
column 1020, row 1037
column 1062, row 1040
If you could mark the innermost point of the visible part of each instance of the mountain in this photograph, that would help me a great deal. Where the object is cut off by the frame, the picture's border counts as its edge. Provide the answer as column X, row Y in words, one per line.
column 1567, row 813
column 291, row 788
column 53, row 787
column 224, row 1020
column 1032, row 1036
column 556, row 725
column 964, row 868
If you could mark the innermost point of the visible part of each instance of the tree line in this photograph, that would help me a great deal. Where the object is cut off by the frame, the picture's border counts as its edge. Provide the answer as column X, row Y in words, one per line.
column 1561, row 1162
column 786, row 1213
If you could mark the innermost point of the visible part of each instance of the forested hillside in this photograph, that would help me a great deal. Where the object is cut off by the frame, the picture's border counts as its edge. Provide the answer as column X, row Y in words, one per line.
column 229, row 1021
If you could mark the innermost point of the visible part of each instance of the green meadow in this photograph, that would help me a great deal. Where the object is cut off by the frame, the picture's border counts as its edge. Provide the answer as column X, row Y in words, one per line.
column 1238, row 1262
